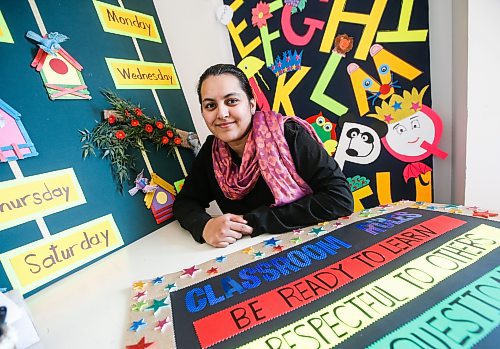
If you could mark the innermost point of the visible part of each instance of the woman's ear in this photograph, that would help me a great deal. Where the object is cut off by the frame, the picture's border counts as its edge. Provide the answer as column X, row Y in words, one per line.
column 253, row 106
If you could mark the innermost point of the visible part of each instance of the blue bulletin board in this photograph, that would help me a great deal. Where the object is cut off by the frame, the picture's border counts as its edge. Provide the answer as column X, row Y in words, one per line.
column 59, row 212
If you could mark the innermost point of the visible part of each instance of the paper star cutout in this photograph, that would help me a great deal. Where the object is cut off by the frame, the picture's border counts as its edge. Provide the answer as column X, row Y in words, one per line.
column 162, row 324
column 382, row 210
column 451, row 206
column 322, row 224
column 384, row 206
column 295, row 240
column 338, row 224
column 298, row 231
column 169, row 287
column 366, row 214
column 139, row 306
column 388, row 118
column 136, row 325
column 278, row 248
column 140, row 295
column 139, row 285
column 213, row 270
column 140, row 345
column 415, row 106
column 456, row 210
column 397, row 106
column 432, row 207
column 220, row 259
column 258, row 254
column 157, row 305
column 345, row 217
column 484, row 214
column 317, row 231
column 473, row 208
column 248, row 250
column 158, row 280
column 190, row 271
column 271, row 242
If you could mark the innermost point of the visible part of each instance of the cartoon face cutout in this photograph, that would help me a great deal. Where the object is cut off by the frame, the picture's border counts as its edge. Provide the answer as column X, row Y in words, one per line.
column 415, row 137
column 357, row 143
column 406, row 136
column 325, row 131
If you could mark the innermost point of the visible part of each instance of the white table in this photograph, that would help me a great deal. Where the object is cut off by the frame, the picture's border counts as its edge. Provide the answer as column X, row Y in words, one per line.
column 89, row 309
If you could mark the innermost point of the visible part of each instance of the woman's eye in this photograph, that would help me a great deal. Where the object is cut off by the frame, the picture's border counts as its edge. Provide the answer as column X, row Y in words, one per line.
column 232, row 101
column 210, row 106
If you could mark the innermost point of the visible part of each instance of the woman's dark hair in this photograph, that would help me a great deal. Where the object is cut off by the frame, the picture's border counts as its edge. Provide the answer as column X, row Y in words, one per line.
column 231, row 69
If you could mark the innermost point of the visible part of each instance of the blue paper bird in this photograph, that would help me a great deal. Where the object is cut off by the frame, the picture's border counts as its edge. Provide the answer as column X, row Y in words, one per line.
column 50, row 44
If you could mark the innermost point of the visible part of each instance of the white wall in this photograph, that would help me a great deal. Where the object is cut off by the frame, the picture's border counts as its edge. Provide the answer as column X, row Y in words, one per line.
column 483, row 127
column 197, row 40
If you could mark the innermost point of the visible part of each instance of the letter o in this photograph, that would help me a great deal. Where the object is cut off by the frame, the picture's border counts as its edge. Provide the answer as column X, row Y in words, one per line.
column 455, row 264
column 299, row 258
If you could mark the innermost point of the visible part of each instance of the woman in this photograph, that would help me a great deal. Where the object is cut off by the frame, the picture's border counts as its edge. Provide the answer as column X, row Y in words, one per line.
column 267, row 173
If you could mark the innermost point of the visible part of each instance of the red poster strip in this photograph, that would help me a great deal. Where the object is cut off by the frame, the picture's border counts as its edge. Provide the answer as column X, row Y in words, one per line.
column 227, row 323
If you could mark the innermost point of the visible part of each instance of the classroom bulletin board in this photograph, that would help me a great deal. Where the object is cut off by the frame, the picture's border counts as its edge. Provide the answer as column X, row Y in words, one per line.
column 359, row 73
column 59, row 212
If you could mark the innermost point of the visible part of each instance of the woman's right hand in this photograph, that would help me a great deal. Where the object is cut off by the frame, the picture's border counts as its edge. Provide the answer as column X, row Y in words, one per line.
column 224, row 230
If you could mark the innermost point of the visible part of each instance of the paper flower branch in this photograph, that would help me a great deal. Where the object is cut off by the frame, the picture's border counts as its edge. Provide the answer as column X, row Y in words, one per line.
column 124, row 129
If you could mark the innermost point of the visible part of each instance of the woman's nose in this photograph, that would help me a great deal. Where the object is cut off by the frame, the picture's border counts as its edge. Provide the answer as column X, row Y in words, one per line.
column 222, row 111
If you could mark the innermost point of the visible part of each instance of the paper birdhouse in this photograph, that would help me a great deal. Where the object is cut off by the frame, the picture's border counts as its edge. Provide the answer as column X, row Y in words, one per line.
column 161, row 200
column 15, row 144
column 61, row 75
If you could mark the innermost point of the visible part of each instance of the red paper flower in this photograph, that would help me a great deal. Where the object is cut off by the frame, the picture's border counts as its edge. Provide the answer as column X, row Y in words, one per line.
column 260, row 14
column 148, row 128
column 127, row 113
column 177, row 140
column 134, row 122
column 120, row 134
column 170, row 133
column 138, row 111
column 159, row 125
column 111, row 119
column 165, row 140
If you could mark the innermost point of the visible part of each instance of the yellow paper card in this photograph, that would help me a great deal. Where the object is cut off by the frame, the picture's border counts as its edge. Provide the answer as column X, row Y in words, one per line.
column 33, row 265
column 28, row 198
column 117, row 20
column 129, row 74
column 4, row 31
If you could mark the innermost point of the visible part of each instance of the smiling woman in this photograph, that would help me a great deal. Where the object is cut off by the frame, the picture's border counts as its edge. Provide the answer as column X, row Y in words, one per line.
column 268, row 173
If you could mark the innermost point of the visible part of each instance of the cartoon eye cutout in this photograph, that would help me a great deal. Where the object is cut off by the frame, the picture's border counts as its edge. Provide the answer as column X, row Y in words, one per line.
column 400, row 129
column 328, row 126
column 367, row 83
column 384, row 69
column 367, row 137
column 320, row 121
column 353, row 132
column 415, row 124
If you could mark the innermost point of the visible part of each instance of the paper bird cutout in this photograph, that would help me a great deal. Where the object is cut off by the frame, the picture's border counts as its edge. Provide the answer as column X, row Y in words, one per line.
column 50, row 43
column 141, row 183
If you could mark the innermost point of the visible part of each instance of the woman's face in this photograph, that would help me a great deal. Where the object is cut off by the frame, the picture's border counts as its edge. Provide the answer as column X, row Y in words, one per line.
column 226, row 108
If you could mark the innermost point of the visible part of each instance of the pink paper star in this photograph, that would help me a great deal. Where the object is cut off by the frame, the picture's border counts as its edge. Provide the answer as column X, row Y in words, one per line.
column 162, row 324
column 140, row 295
column 415, row 106
column 388, row 118
column 190, row 271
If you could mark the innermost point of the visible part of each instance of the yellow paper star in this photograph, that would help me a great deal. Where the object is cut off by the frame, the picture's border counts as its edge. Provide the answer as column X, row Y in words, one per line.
column 139, row 285
column 248, row 250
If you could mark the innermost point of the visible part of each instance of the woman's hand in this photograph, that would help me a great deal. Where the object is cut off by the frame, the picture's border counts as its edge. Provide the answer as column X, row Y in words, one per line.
column 226, row 229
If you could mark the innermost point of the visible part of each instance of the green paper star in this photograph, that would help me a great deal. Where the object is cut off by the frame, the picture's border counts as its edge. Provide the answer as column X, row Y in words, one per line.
column 295, row 240
column 157, row 304
column 139, row 306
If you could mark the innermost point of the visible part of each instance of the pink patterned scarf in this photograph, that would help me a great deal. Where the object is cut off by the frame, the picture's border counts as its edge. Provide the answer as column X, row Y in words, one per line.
column 266, row 153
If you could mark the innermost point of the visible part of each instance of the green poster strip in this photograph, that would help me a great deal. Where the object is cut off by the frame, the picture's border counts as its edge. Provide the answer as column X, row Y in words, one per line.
column 460, row 320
